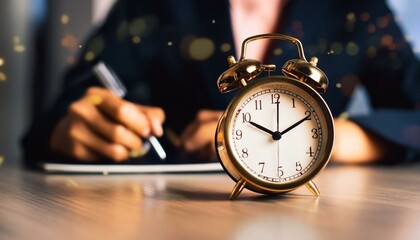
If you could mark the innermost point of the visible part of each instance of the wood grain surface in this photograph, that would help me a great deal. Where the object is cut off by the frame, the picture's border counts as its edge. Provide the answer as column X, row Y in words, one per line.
column 376, row 202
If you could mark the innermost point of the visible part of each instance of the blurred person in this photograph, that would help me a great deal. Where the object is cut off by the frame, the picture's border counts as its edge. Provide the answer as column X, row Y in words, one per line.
column 169, row 55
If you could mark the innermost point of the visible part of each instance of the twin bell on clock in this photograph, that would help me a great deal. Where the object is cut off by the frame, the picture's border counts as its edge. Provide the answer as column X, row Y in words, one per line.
column 277, row 132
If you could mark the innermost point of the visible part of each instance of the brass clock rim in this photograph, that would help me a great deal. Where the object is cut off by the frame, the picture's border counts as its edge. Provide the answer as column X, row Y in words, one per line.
column 257, row 184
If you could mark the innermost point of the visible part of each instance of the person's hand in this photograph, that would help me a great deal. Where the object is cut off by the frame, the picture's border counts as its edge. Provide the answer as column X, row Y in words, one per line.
column 355, row 145
column 198, row 136
column 100, row 124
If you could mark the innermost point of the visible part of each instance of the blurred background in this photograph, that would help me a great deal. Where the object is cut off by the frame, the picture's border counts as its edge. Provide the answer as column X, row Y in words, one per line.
column 39, row 39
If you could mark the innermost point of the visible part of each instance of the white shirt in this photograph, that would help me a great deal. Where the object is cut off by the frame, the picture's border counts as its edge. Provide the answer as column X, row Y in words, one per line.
column 252, row 17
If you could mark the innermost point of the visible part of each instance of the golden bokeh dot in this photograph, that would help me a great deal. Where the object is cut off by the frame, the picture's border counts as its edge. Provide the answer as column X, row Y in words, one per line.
column 94, row 48
column 137, row 27
column 225, row 47
column 65, row 19
column 201, row 48
column 89, row 56
column 278, row 51
column 351, row 17
column 387, row 40
column 1, row 62
column 352, row 49
column 2, row 76
column 1, row 160
column 19, row 48
column 136, row 39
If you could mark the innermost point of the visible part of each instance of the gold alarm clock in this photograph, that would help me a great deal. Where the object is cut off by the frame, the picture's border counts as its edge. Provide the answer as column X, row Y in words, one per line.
column 277, row 132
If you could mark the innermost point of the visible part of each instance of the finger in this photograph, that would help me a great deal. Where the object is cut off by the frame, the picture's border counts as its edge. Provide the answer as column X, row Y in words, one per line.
column 202, row 136
column 63, row 143
column 102, row 125
column 79, row 132
column 156, row 117
column 121, row 111
column 202, row 117
column 208, row 115
column 83, row 153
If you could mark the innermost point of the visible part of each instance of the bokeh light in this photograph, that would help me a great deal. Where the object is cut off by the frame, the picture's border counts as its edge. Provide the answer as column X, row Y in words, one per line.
column 197, row 48
column 382, row 22
column 352, row 49
column 2, row 77
column 65, row 19
column 136, row 39
column 17, row 45
column 94, row 48
column 388, row 41
column 336, row 48
column 351, row 17
column 278, row 51
column 225, row 47
column 69, row 41
column 201, row 48
column 371, row 28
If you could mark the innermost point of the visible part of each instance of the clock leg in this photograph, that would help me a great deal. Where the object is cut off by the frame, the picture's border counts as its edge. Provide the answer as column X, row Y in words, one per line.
column 237, row 189
column 312, row 187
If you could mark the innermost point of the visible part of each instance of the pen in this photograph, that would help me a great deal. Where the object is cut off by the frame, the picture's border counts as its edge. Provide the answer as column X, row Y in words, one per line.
column 110, row 80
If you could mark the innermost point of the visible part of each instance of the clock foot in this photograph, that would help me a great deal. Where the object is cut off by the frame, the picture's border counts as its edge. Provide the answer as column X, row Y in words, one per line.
column 312, row 187
column 239, row 186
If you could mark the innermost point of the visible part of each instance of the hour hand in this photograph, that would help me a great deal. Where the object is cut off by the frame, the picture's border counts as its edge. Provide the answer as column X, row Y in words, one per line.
column 262, row 128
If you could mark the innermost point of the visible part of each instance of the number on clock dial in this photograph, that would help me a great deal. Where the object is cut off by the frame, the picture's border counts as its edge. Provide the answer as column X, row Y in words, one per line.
column 284, row 158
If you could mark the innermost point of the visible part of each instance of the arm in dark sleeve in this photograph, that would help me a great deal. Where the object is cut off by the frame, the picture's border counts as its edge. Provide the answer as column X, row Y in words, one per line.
column 112, row 43
column 392, row 77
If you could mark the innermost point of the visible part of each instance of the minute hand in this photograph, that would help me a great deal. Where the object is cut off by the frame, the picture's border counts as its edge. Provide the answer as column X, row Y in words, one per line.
column 296, row 124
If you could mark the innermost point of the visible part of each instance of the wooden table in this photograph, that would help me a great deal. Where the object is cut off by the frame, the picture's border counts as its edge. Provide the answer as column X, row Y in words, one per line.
column 355, row 203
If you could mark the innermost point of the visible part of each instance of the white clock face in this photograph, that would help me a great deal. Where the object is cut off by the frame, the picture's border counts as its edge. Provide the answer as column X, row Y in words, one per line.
column 277, row 132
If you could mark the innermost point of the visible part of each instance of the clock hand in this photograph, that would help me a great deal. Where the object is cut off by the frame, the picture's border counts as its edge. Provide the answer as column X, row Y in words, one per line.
column 296, row 124
column 278, row 115
column 275, row 135
column 262, row 128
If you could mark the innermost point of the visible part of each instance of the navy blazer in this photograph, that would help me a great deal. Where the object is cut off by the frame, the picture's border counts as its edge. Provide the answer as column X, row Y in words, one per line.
column 170, row 53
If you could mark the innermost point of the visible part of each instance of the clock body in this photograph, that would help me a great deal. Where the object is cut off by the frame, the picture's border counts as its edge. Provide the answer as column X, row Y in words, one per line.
column 275, row 135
